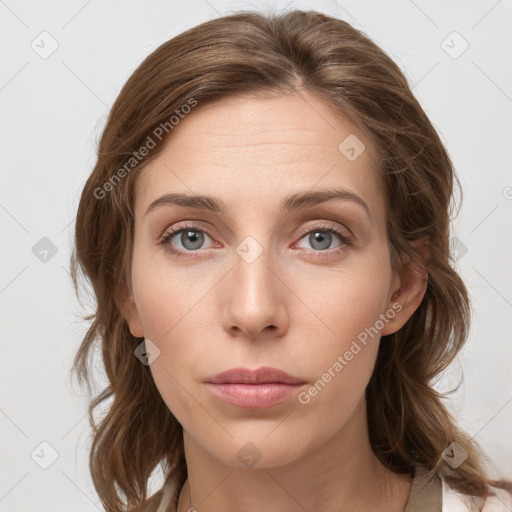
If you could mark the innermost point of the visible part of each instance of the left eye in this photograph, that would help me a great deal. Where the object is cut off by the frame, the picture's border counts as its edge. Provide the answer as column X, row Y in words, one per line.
column 321, row 239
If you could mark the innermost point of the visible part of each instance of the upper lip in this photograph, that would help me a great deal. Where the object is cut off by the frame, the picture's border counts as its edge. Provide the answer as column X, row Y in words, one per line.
column 262, row 375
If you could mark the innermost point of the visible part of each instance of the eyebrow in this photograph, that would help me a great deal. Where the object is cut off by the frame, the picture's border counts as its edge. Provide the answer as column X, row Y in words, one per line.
column 291, row 202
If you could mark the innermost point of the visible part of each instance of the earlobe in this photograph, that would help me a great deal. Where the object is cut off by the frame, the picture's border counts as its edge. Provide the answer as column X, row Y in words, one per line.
column 130, row 313
column 407, row 298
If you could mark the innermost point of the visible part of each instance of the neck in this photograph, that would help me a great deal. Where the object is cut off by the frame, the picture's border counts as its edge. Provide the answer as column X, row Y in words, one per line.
column 341, row 475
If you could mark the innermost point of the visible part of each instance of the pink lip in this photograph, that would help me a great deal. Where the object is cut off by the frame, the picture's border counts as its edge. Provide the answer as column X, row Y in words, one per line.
column 262, row 375
column 254, row 396
column 254, row 389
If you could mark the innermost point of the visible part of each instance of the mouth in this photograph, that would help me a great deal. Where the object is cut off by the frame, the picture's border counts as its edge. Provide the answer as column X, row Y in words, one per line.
column 262, row 375
column 254, row 389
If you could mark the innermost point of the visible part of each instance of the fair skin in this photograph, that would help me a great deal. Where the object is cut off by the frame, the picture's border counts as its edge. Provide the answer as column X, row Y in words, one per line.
column 297, row 307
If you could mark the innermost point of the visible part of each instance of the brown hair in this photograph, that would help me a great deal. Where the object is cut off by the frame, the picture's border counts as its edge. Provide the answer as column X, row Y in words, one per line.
column 253, row 53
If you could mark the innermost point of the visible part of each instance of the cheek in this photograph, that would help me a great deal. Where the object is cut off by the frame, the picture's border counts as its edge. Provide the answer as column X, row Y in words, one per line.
column 342, row 359
column 349, row 308
column 166, row 296
column 173, row 310
column 346, row 304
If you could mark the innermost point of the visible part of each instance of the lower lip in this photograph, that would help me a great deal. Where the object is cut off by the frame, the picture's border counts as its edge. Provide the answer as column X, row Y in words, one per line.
column 254, row 396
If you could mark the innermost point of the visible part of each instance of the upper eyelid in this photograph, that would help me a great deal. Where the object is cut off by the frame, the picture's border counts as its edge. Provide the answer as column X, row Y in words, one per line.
column 324, row 223
column 177, row 226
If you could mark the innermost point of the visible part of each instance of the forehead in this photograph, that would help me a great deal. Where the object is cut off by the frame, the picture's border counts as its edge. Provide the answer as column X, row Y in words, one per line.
column 249, row 147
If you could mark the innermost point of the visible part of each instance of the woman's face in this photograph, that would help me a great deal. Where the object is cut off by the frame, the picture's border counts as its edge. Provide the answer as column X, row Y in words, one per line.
column 275, row 276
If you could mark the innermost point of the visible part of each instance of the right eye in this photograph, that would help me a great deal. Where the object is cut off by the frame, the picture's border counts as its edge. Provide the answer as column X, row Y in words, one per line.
column 191, row 239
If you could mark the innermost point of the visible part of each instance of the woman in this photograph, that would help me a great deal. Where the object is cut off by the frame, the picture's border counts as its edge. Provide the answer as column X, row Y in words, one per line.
column 266, row 230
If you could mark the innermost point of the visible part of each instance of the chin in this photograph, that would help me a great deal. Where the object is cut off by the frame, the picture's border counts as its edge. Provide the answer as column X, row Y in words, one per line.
column 257, row 449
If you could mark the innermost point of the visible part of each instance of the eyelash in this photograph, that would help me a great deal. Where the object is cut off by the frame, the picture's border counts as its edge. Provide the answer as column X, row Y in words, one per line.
column 346, row 240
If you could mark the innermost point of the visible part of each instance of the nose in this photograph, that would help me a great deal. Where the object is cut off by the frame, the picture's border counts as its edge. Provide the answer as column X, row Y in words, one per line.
column 255, row 299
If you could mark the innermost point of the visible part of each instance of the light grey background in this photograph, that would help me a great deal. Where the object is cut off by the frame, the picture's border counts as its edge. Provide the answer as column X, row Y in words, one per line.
column 53, row 108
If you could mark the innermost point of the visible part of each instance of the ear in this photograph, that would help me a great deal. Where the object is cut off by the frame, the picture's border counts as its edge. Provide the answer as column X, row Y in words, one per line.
column 411, row 289
column 128, row 308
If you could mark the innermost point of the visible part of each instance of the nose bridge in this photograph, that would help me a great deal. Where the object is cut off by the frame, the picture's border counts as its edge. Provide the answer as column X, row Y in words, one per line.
column 255, row 296
column 252, row 270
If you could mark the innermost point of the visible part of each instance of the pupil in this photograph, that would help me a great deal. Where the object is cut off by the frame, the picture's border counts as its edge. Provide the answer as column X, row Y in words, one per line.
column 191, row 240
column 321, row 237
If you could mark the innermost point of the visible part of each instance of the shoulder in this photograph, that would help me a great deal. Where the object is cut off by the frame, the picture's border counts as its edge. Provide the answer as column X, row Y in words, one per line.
column 454, row 501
